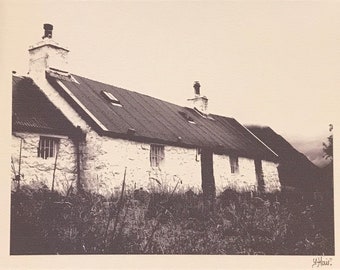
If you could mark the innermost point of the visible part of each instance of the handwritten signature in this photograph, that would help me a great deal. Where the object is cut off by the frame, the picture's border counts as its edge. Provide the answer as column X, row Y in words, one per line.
column 321, row 261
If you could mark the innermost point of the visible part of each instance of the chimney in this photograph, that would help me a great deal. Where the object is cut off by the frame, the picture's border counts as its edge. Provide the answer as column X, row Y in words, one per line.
column 46, row 54
column 199, row 102
column 48, row 30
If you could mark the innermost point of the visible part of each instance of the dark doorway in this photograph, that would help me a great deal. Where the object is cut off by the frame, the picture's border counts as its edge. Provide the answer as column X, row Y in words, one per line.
column 207, row 169
column 259, row 175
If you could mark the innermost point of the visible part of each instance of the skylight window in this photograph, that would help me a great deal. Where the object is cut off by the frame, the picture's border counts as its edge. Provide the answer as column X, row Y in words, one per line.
column 187, row 117
column 110, row 97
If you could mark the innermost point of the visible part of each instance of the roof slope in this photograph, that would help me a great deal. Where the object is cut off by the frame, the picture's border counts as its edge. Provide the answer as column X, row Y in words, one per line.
column 154, row 120
column 295, row 168
column 32, row 111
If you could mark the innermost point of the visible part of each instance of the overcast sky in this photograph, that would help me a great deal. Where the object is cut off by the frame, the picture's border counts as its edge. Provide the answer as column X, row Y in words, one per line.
column 269, row 63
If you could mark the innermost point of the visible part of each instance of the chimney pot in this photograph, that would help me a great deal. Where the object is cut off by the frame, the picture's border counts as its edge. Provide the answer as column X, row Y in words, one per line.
column 197, row 88
column 48, row 30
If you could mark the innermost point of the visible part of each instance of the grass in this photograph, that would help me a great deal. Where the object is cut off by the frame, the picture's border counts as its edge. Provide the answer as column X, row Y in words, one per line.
column 286, row 223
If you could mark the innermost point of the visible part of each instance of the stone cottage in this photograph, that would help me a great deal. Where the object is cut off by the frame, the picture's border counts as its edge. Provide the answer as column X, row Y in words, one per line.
column 70, row 131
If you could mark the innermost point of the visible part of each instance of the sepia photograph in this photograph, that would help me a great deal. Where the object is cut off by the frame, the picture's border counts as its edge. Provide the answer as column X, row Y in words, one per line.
column 171, row 128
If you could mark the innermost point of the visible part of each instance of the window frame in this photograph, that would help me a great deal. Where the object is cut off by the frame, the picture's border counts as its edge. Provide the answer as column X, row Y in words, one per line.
column 156, row 155
column 47, row 147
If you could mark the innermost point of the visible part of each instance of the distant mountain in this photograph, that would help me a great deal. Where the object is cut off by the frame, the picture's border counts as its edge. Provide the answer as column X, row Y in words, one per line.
column 312, row 149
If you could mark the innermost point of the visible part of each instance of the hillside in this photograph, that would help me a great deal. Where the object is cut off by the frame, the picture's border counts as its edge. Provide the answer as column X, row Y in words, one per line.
column 312, row 149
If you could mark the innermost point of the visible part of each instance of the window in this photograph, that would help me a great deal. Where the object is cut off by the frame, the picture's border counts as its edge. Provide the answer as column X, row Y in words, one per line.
column 47, row 147
column 233, row 164
column 110, row 97
column 156, row 155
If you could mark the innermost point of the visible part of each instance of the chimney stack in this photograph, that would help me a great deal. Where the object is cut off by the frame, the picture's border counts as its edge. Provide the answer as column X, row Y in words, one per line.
column 47, row 54
column 199, row 102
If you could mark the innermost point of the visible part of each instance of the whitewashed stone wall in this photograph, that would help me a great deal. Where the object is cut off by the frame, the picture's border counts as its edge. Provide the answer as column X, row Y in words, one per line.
column 103, row 162
column 244, row 180
column 270, row 176
column 180, row 164
column 105, row 159
column 36, row 171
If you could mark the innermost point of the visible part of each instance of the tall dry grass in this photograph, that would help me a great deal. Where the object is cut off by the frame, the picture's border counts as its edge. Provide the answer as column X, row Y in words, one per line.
column 286, row 223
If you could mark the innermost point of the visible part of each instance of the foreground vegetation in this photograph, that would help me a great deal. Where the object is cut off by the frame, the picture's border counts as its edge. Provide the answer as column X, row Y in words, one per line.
column 45, row 222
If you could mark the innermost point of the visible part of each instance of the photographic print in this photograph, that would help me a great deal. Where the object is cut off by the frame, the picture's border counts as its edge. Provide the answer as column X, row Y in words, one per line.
column 173, row 128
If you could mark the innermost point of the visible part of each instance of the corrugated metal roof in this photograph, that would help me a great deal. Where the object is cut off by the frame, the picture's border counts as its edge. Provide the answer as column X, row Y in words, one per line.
column 155, row 120
column 32, row 111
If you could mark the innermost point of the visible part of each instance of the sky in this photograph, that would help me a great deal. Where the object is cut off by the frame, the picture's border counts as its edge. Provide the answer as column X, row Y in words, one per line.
column 271, row 63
